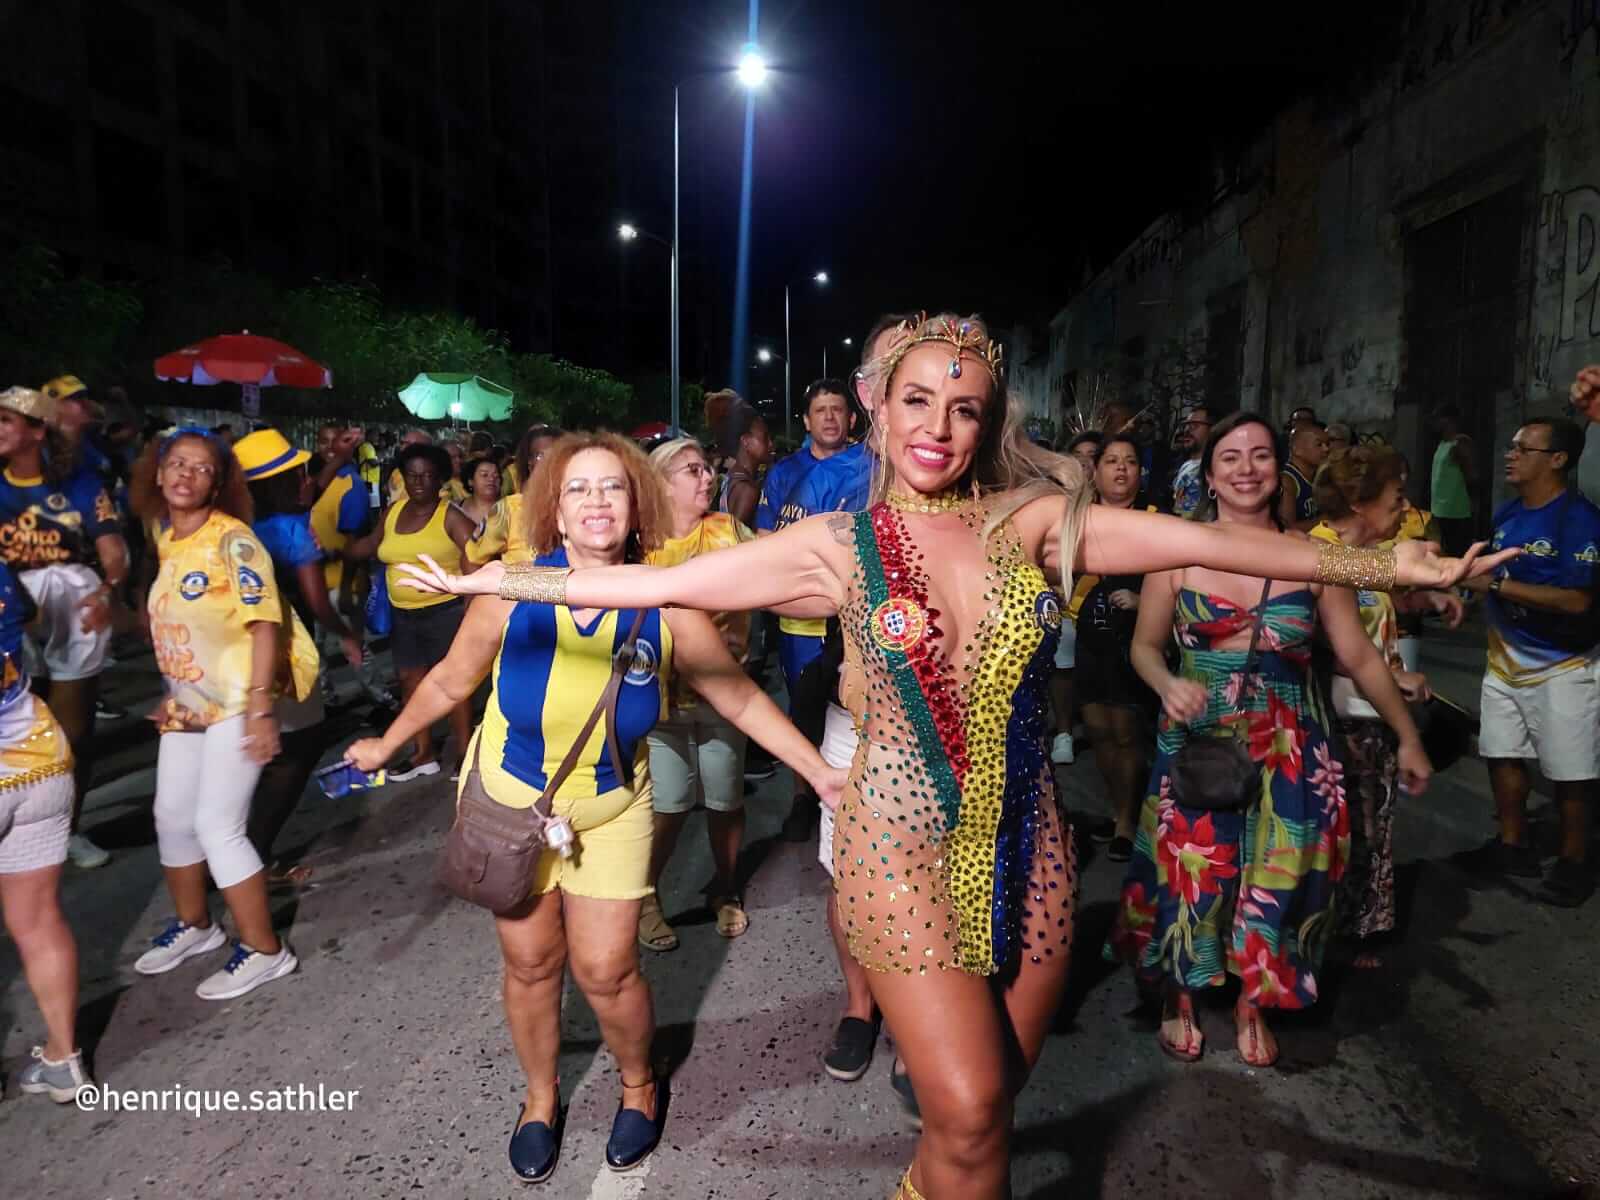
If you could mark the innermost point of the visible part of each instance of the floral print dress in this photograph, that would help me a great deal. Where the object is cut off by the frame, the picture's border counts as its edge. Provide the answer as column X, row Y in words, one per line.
column 1245, row 892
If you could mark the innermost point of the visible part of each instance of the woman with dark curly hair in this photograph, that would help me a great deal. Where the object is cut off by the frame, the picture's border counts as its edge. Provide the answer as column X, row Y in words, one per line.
column 482, row 480
column 215, row 618
column 422, row 521
column 593, row 501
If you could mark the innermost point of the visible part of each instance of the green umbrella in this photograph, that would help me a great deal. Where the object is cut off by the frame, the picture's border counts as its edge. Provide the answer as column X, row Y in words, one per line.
column 435, row 395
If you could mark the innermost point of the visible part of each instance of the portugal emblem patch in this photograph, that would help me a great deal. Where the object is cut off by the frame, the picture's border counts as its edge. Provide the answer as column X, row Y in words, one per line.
column 898, row 624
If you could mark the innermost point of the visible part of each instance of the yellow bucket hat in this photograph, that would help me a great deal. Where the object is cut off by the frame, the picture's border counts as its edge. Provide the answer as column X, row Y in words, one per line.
column 266, row 453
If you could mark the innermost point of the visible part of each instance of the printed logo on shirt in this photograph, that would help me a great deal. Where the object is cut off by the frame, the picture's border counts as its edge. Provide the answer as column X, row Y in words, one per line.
column 56, row 502
column 1047, row 612
column 1498, row 541
column 644, row 666
column 1540, row 548
column 193, row 585
column 1589, row 554
column 251, row 589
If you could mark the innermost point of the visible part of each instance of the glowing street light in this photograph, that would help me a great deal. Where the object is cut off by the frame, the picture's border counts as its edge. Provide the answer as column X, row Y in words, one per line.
column 849, row 341
column 752, row 68
column 820, row 278
column 763, row 355
column 628, row 233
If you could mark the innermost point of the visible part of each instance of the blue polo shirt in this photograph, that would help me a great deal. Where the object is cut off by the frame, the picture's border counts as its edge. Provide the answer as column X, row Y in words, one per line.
column 842, row 483
column 1560, row 543
column 782, row 478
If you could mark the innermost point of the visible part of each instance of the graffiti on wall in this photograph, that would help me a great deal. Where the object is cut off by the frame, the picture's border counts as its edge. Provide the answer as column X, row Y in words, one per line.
column 1570, row 221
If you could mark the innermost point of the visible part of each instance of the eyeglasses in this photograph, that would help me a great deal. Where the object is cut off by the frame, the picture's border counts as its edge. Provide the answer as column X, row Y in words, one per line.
column 694, row 468
column 609, row 488
column 1519, row 448
column 189, row 466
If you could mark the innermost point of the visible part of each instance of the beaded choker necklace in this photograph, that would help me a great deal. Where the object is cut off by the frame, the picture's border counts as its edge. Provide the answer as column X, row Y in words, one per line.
column 943, row 502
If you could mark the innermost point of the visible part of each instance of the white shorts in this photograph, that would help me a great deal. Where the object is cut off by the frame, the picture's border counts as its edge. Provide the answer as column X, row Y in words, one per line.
column 61, row 650
column 1556, row 722
column 838, row 748
column 1067, row 647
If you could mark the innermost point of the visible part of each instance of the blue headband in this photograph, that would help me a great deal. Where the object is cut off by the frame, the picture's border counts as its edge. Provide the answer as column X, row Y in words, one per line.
column 223, row 451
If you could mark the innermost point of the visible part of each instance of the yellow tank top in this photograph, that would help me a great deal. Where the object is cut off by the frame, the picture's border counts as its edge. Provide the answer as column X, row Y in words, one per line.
column 432, row 540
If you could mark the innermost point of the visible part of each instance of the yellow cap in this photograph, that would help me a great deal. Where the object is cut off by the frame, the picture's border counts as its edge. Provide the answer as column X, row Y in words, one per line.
column 64, row 387
column 266, row 453
column 28, row 403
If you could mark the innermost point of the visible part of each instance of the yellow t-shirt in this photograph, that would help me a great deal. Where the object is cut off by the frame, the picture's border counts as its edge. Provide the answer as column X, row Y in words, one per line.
column 397, row 486
column 510, row 479
column 433, row 540
column 455, row 491
column 501, row 534
column 325, row 527
column 1378, row 616
column 716, row 531
column 212, row 586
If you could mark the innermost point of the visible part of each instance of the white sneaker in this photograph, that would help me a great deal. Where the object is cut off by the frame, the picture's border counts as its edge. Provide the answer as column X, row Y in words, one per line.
column 1061, row 749
column 245, row 971
column 61, row 1081
column 416, row 772
column 175, row 943
column 85, row 854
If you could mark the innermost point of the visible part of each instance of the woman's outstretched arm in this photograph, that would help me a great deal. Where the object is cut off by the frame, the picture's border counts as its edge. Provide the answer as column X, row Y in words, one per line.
column 1119, row 541
column 804, row 562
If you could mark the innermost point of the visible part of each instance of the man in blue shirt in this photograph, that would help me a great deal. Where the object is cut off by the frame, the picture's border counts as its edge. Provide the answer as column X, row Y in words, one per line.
column 1541, row 694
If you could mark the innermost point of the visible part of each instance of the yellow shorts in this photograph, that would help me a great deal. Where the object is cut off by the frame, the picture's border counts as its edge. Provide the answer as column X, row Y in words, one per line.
column 612, row 859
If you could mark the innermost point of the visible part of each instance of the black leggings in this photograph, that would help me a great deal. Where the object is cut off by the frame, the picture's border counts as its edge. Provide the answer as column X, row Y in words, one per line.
column 282, row 783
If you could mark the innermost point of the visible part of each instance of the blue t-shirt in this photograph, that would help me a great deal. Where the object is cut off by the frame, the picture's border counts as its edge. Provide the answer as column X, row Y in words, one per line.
column 838, row 484
column 288, row 539
column 1560, row 544
column 783, row 477
column 42, row 524
column 16, row 610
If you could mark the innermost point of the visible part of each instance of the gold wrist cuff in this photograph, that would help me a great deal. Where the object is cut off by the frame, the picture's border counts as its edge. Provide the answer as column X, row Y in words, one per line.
column 1351, row 567
column 537, row 585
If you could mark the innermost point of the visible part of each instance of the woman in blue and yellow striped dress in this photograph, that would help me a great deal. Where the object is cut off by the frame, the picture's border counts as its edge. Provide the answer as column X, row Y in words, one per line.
column 592, row 501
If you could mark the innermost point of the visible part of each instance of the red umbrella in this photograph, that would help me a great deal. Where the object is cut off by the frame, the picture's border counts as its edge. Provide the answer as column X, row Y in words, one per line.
column 243, row 358
column 651, row 429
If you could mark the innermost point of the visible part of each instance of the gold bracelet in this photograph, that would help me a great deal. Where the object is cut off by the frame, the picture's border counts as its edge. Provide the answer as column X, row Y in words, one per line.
column 542, row 585
column 1351, row 567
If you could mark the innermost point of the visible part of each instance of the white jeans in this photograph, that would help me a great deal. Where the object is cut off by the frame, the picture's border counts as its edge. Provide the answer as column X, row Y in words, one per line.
column 838, row 749
column 204, row 782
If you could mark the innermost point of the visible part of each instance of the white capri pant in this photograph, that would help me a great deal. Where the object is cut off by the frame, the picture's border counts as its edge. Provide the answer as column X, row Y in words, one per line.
column 204, row 782
column 1067, row 647
column 839, row 741
column 35, row 822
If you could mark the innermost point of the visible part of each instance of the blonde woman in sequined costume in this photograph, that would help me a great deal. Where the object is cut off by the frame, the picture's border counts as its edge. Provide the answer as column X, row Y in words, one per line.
column 955, row 875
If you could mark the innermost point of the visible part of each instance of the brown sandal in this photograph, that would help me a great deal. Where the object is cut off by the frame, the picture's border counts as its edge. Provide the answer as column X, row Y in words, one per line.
column 654, row 932
column 732, row 920
column 1184, row 1012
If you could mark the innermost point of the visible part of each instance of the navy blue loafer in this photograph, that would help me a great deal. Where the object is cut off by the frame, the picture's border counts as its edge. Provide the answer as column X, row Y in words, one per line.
column 535, row 1147
column 633, row 1135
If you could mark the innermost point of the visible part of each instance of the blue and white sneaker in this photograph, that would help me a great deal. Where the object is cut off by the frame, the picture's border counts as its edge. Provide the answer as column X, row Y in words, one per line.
column 175, row 943
column 245, row 971
column 61, row 1081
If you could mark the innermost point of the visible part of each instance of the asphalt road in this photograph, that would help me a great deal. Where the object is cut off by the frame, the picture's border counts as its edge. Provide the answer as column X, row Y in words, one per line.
column 1464, row 1068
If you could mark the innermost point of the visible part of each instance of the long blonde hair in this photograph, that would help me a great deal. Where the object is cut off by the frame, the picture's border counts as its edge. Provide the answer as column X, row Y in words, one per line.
column 1008, row 469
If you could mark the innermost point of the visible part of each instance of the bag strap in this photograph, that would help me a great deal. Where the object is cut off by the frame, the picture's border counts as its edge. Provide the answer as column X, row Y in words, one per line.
column 621, row 661
column 1255, row 638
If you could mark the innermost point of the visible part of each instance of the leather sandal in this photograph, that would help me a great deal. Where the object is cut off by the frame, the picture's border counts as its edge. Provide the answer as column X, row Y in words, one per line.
column 732, row 920
column 654, row 932
column 1185, row 1013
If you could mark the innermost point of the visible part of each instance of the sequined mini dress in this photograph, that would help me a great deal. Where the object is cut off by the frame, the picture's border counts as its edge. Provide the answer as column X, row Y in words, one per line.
column 949, row 852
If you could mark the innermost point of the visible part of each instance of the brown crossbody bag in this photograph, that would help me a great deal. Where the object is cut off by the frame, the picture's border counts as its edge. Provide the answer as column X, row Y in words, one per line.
column 492, row 849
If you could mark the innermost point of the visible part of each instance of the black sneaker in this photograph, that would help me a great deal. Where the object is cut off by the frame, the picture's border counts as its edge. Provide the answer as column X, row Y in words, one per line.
column 1495, row 859
column 801, row 823
column 1567, row 884
column 104, row 711
column 850, row 1055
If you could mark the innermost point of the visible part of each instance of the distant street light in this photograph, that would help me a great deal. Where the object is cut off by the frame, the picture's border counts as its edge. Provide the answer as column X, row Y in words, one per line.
column 849, row 342
column 752, row 68
column 627, row 233
column 764, row 356
column 821, row 277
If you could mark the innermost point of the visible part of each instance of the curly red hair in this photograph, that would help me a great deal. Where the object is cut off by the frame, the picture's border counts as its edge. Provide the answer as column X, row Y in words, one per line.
column 229, row 491
column 541, row 495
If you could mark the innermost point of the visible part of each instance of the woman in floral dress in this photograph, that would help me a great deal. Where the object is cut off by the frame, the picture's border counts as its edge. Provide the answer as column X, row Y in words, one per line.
column 1245, row 892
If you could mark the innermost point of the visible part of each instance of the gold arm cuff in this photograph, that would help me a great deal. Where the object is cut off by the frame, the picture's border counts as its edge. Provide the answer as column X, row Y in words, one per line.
column 1351, row 567
column 538, row 585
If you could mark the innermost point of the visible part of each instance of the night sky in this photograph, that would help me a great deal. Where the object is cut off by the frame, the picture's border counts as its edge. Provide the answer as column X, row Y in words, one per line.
column 959, row 154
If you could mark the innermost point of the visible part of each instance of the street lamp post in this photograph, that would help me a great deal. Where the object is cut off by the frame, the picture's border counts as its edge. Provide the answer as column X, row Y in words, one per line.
column 820, row 278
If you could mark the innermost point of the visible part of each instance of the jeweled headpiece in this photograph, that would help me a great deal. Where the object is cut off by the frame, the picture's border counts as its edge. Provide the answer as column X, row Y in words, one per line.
column 968, row 336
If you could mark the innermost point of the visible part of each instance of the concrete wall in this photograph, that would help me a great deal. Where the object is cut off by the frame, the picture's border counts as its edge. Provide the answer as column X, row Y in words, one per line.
column 1317, row 227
